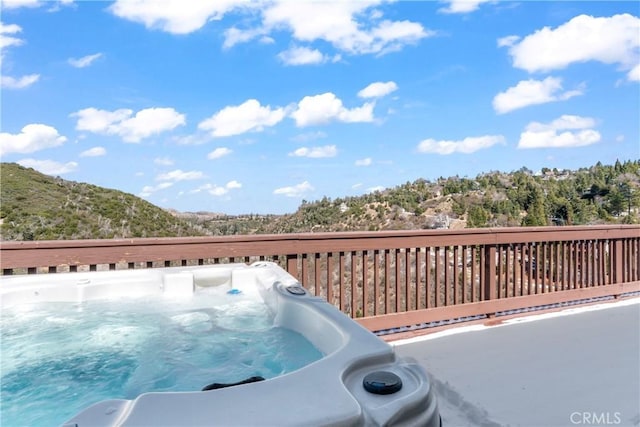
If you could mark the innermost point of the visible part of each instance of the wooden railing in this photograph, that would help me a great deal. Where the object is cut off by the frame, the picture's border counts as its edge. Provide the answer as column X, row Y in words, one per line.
column 389, row 279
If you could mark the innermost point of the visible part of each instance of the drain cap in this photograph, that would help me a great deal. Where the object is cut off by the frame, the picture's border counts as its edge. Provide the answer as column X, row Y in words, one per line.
column 382, row 382
column 296, row 290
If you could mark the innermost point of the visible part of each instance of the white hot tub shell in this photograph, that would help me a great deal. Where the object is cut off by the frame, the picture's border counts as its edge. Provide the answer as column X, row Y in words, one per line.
column 328, row 392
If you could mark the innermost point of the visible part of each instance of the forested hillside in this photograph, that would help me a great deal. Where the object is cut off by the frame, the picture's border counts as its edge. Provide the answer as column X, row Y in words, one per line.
column 593, row 195
column 34, row 206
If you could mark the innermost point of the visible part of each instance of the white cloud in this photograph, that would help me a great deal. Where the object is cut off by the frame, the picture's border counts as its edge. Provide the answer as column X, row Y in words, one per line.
column 15, row 4
column 99, row 121
column 216, row 190
column 49, row 167
column 267, row 40
column 147, row 190
column 376, row 14
column 195, row 139
column 335, row 23
column 236, row 120
column 94, row 152
column 324, row 108
column 233, row 184
column 378, row 89
column 179, row 175
column 228, row 186
column 564, row 122
column 309, row 136
column 364, row 162
column 315, row 152
column 234, row 35
column 610, row 40
column 32, row 4
column 302, row 56
column 565, row 131
column 58, row 3
column 392, row 36
column 532, row 92
column 634, row 74
column 33, row 137
column 462, row 6
column 85, row 61
column 508, row 41
column 553, row 139
column 164, row 185
column 297, row 190
column 145, row 123
column 218, row 153
column 8, row 41
column 9, row 82
column 466, row 146
column 343, row 24
column 163, row 161
column 149, row 122
column 175, row 16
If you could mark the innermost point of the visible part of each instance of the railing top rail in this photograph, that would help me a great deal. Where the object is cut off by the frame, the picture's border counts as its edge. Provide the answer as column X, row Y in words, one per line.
column 475, row 236
column 88, row 252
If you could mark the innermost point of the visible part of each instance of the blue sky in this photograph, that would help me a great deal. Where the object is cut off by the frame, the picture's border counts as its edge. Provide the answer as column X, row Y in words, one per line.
column 252, row 106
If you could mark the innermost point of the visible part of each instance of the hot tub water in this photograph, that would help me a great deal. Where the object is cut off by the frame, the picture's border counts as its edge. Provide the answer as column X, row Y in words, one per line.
column 60, row 357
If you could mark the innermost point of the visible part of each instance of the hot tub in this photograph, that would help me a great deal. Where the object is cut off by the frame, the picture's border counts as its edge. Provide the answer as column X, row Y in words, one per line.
column 358, row 381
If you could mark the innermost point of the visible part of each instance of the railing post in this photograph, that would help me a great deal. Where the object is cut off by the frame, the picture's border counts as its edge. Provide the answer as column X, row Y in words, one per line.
column 489, row 274
column 618, row 265
column 292, row 265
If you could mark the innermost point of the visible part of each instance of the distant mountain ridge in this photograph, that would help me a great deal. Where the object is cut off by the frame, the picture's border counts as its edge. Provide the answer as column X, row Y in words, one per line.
column 594, row 195
column 34, row 206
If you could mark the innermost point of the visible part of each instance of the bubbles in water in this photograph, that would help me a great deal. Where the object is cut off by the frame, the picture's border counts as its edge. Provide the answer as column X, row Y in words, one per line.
column 244, row 315
column 59, row 358
column 194, row 322
column 116, row 337
column 61, row 320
